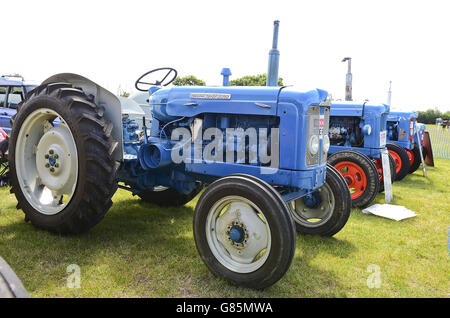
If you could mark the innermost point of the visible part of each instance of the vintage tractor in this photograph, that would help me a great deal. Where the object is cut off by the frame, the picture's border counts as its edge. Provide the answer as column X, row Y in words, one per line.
column 403, row 140
column 12, row 91
column 357, row 136
column 261, row 152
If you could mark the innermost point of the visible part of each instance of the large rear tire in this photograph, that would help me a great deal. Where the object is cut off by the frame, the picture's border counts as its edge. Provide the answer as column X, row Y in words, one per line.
column 325, row 211
column 401, row 160
column 61, row 159
column 168, row 196
column 244, row 232
column 360, row 174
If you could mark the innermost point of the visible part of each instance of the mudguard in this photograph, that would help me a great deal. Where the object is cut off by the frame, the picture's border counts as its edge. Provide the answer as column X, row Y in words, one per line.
column 102, row 97
column 429, row 160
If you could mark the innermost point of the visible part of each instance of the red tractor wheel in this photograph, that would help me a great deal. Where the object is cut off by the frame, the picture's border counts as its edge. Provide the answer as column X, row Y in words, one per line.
column 401, row 160
column 379, row 166
column 415, row 155
column 360, row 174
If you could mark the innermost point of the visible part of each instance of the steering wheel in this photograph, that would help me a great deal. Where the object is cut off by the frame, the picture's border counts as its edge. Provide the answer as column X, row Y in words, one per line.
column 163, row 82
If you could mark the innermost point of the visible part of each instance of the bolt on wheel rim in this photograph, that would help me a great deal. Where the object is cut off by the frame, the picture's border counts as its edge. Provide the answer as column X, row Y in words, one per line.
column 318, row 214
column 238, row 234
column 46, row 161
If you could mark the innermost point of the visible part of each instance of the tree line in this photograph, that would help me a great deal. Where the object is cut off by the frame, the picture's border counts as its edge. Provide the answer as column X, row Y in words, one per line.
column 429, row 116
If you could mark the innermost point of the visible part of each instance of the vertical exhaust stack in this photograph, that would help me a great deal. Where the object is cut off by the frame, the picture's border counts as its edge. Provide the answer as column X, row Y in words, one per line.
column 348, row 79
column 274, row 58
column 389, row 94
column 226, row 73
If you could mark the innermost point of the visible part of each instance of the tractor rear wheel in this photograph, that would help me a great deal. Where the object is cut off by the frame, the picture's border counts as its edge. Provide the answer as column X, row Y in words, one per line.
column 325, row 211
column 61, row 159
column 244, row 232
column 360, row 174
column 379, row 166
column 401, row 160
column 164, row 196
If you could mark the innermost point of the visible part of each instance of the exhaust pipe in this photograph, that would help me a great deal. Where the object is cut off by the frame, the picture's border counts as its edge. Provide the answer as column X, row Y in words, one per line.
column 274, row 58
column 348, row 79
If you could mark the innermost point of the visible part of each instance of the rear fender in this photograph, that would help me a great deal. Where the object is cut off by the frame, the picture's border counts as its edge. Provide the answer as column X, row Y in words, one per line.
column 102, row 97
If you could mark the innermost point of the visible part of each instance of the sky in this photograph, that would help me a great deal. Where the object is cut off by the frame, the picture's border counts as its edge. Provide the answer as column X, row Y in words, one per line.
column 114, row 42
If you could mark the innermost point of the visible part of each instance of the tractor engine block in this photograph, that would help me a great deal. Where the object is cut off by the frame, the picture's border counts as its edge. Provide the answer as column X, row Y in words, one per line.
column 346, row 131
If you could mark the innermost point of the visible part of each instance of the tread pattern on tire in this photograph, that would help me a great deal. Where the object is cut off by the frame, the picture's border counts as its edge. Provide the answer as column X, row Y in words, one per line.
column 97, row 169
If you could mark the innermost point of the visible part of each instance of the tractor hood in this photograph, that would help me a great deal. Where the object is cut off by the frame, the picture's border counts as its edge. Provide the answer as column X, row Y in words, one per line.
column 357, row 109
column 396, row 116
column 169, row 104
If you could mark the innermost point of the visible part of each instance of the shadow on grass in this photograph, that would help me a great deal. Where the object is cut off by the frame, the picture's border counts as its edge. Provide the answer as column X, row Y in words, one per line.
column 155, row 245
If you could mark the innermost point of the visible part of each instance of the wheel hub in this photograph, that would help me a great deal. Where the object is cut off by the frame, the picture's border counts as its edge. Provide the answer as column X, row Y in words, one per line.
column 54, row 158
column 312, row 200
column 315, row 209
column 237, row 234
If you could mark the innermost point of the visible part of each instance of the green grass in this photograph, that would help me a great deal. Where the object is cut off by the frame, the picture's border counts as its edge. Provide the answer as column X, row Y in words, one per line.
column 141, row 250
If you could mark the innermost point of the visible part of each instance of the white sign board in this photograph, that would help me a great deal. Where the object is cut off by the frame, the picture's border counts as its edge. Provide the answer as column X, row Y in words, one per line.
column 388, row 196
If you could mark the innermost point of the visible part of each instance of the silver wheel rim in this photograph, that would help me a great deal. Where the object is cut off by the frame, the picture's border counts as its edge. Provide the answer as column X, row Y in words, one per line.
column 318, row 215
column 233, row 212
column 46, row 161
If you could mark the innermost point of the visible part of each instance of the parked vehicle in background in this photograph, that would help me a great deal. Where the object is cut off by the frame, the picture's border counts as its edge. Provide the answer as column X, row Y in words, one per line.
column 12, row 91
column 402, row 128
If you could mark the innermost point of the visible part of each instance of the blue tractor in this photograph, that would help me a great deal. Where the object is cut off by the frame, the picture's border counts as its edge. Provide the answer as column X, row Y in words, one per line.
column 357, row 136
column 402, row 128
column 261, row 152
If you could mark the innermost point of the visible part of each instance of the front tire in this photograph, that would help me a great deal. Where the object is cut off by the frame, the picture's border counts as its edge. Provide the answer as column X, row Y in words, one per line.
column 325, row 211
column 401, row 160
column 244, row 232
column 415, row 160
column 360, row 174
column 61, row 165
column 379, row 166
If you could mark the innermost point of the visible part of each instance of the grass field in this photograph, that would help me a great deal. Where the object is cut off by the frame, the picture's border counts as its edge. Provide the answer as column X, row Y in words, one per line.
column 141, row 250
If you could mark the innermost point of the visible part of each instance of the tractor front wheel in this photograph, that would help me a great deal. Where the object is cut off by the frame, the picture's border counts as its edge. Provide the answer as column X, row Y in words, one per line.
column 60, row 155
column 244, row 232
column 414, row 158
column 379, row 166
column 360, row 174
column 325, row 211
column 401, row 160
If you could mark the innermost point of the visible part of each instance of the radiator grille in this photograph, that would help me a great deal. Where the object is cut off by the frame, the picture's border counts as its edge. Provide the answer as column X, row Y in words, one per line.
column 315, row 128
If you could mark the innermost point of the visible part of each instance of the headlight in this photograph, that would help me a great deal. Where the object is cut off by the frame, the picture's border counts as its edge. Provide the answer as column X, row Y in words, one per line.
column 313, row 145
column 326, row 143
